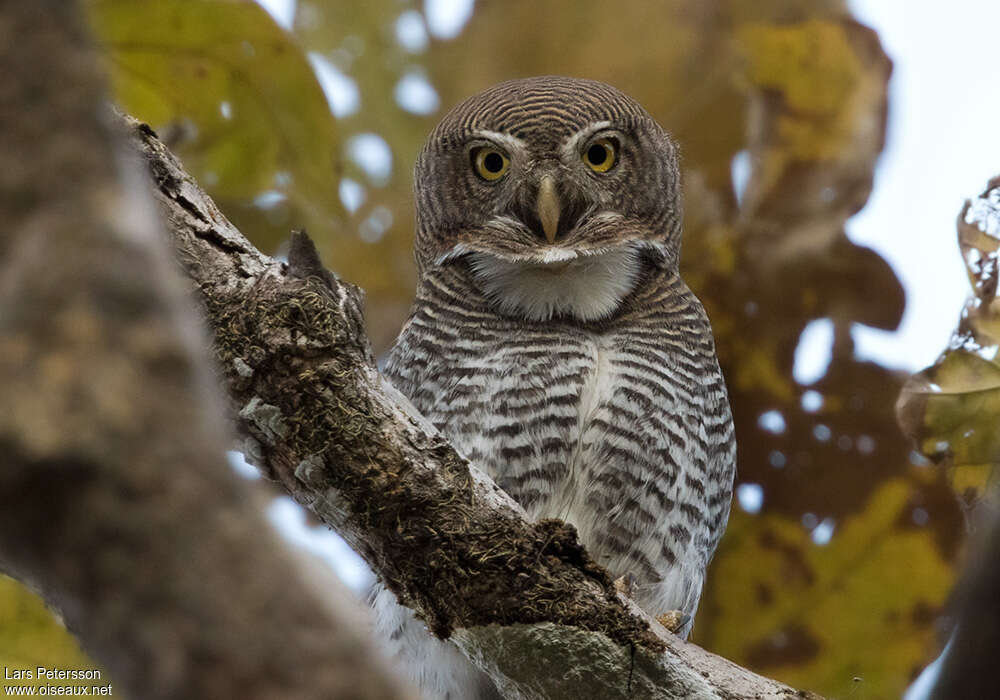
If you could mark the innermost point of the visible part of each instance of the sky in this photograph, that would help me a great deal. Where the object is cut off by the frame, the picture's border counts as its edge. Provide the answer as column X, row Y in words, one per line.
column 943, row 147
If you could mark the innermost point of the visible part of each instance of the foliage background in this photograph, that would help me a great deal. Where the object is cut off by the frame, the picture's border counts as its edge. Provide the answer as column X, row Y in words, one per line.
column 843, row 545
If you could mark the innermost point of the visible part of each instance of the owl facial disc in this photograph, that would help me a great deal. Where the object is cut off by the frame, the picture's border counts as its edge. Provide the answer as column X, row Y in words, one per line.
column 556, row 194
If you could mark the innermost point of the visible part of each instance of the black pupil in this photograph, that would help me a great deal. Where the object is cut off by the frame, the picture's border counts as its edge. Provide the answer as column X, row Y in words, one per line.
column 493, row 162
column 597, row 154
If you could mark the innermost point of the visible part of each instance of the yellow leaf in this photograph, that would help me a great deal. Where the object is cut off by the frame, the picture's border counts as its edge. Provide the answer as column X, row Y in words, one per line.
column 860, row 607
column 30, row 636
column 951, row 408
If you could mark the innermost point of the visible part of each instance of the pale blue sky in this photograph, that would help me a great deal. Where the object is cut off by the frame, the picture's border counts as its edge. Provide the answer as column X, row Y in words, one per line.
column 943, row 147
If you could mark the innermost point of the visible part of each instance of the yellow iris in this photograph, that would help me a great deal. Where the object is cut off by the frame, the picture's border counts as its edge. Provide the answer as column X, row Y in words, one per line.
column 491, row 164
column 600, row 155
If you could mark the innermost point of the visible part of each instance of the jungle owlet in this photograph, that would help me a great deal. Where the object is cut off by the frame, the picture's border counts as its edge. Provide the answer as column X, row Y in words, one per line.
column 554, row 343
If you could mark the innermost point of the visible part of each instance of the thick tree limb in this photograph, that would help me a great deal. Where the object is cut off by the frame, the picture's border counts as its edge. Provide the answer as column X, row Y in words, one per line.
column 522, row 599
column 115, row 500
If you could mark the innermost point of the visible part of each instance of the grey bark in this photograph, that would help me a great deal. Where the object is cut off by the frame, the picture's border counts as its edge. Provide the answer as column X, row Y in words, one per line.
column 968, row 666
column 116, row 503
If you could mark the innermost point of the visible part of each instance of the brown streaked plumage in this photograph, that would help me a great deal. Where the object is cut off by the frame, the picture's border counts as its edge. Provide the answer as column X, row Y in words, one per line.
column 553, row 341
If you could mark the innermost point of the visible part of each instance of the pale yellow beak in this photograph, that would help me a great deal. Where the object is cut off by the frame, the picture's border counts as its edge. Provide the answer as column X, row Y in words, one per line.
column 547, row 207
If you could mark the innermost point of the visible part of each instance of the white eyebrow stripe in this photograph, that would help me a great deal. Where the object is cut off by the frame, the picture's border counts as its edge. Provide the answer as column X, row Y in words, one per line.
column 505, row 139
column 569, row 147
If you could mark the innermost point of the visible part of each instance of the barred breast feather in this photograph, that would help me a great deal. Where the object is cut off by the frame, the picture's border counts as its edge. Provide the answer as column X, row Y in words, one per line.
column 621, row 428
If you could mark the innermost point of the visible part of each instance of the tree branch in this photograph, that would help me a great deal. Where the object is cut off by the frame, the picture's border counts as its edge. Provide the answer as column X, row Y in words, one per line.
column 519, row 598
column 115, row 500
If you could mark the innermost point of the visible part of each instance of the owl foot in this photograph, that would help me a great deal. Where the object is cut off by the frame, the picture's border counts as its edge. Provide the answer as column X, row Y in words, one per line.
column 674, row 620
column 626, row 585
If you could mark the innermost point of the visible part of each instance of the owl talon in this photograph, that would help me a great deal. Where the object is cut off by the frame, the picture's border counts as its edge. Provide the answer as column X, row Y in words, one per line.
column 626, row 585
column 674, row 620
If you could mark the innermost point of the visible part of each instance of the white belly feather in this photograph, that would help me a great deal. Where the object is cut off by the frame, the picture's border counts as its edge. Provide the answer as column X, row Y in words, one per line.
column 567, row 503
column 587, row 287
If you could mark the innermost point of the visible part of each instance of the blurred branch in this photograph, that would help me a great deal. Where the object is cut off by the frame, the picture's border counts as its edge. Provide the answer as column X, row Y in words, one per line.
column 968, row 668
column 115, row 500
column 517, row 597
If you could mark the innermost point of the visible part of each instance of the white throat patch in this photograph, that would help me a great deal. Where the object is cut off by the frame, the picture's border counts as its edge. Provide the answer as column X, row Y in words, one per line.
column 587, row 287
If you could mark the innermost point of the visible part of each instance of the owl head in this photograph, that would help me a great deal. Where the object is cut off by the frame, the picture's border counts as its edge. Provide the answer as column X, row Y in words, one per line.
column 555, row 192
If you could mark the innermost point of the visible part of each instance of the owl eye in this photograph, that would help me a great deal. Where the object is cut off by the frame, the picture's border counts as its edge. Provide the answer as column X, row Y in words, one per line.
column 601, row 155
column 490, row 163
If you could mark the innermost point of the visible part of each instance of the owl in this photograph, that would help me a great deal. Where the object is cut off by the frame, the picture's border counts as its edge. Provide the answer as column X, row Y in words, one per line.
column 554, row 343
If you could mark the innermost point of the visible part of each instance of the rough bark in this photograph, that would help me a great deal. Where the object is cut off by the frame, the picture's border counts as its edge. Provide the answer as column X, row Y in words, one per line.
column 115, row 499
column 522, row 599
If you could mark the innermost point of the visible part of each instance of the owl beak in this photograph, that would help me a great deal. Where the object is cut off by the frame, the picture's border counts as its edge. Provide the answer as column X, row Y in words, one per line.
column 547, row 207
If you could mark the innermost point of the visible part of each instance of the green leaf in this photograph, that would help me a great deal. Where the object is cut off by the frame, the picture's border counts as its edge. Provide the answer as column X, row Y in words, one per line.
column 951, row 409
column 31, row 636
column 233, row 95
